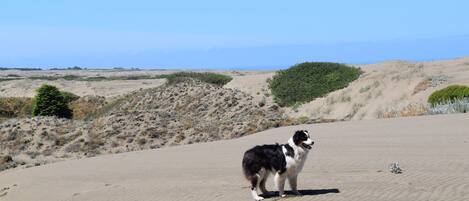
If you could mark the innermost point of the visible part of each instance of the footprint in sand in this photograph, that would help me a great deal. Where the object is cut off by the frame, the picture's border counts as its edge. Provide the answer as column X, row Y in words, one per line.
column 4, row 191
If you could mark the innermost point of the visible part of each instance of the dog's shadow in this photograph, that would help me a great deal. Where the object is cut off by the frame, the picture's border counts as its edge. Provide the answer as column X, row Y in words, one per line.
column 308, row 192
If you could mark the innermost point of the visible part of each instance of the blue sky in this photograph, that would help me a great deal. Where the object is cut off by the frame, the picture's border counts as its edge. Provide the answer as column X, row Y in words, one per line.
column 228, row 35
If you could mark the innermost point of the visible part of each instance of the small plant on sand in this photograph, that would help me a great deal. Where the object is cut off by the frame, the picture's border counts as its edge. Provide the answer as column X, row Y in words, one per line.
column 307, row 81
column 437, row 80
column 449, row 93
column 450, row 107
column 49, row 101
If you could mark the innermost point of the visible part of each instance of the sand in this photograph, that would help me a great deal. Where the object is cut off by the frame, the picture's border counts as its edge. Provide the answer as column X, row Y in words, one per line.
column 348, row 162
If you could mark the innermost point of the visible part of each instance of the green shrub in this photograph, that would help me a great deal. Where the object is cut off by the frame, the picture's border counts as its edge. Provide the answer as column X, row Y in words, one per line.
column 211, row 78
column 69, row 96
column 448, row 94
column 307, row 81
column 49, row 101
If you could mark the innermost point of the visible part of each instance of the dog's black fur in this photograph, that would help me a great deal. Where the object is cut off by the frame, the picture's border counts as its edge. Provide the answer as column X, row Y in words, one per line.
column 271, row 158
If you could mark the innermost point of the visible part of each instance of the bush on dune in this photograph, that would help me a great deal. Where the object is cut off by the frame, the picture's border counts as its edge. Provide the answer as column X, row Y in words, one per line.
column 307, row 81
column 49, row 101
column 448, row 94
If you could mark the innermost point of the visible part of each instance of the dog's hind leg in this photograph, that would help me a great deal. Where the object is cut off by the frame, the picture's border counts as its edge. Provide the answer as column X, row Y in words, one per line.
column 254, row 183
column 280, row 183
column 293, row 184
column 264, row 175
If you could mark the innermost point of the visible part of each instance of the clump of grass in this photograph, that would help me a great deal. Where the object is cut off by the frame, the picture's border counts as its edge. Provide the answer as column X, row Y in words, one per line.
column 310, row 80
column 413, row 109
column 421, row 86
column 437, row 80
column 448, row 94
column 13, row 107
column 87, row 107
column 211, row 78
column 303, row 120
column 450, row 107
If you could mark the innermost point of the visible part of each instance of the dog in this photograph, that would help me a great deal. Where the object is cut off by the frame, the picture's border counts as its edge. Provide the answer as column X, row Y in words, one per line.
column 282, row 160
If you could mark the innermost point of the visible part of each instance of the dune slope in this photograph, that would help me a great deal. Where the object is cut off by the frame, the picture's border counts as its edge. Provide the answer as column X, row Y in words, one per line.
column 348, row 162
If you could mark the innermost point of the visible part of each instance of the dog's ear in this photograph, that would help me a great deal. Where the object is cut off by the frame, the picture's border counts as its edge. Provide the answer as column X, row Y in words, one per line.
column 297, row 137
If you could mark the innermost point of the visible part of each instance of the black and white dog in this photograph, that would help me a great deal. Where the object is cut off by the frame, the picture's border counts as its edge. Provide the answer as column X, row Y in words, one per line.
column 285, row 161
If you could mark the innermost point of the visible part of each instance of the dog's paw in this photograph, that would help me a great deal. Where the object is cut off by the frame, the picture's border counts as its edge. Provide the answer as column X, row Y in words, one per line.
column 283, row 195
column 296, row 193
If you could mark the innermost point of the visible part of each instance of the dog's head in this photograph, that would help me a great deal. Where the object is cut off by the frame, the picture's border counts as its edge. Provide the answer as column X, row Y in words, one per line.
column 302, row 139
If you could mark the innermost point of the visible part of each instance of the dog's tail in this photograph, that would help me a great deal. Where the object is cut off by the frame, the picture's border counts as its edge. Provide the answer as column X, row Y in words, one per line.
column 250, row 169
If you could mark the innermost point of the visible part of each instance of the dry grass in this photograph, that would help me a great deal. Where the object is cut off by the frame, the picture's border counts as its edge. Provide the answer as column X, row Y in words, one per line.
column 87, row 106
column 13, row 107
column 413, row 109
column 421, row 86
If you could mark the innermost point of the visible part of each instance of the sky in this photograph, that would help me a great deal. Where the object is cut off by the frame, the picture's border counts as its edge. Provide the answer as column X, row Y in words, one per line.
column 241, row 34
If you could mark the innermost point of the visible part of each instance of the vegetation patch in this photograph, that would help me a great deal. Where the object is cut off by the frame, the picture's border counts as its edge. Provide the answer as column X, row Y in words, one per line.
column 451, row 107
column 448, row 94
column 211, row 78
column 7, row 79
column 87, row 107
column 307, row 81
column 14, row 107
column 49, row 101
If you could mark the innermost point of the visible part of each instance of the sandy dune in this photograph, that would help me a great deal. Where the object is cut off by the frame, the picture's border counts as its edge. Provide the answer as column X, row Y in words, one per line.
column 384, row 89
column 349, row 162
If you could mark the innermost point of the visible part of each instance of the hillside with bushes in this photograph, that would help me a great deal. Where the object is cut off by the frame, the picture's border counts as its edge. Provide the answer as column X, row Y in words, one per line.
column 188, row 111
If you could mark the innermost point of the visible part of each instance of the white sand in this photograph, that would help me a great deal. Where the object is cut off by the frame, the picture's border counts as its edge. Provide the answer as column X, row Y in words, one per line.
column 348, row 162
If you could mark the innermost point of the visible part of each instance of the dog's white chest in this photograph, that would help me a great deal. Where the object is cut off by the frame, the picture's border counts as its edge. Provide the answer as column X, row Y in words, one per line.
column 295, row 164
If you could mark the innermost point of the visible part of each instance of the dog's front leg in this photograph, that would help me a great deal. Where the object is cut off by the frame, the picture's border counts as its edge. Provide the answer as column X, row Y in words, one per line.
column 280, row 183
column 293, row 184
